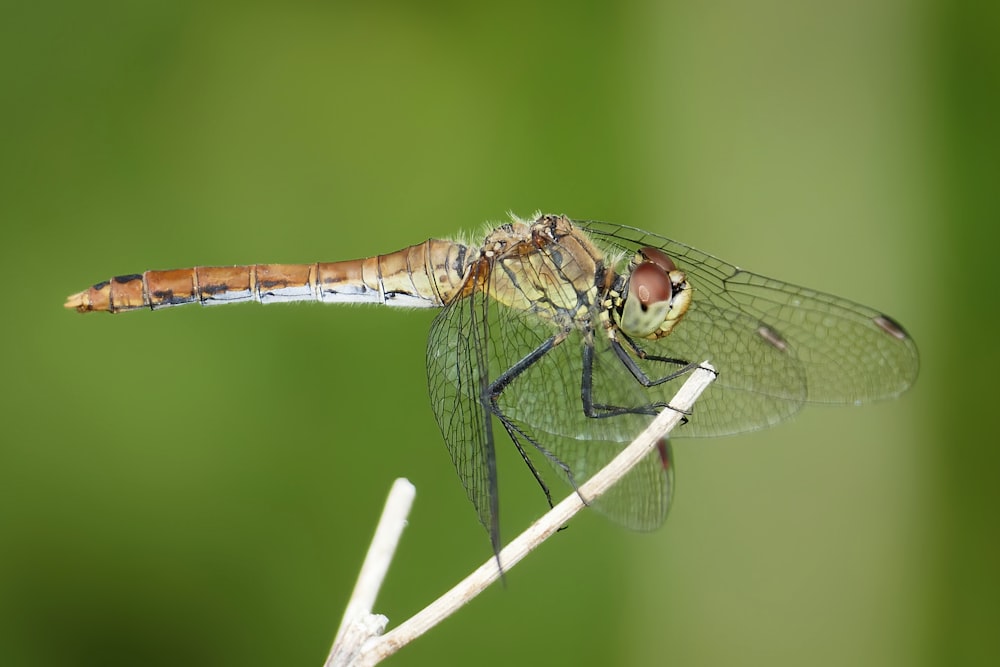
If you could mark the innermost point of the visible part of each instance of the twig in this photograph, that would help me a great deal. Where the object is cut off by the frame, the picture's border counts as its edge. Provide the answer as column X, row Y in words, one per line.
column 377, row 648
column 358, row 623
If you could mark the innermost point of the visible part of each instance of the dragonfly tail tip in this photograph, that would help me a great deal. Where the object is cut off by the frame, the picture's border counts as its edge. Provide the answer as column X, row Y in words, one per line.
column 78, row 302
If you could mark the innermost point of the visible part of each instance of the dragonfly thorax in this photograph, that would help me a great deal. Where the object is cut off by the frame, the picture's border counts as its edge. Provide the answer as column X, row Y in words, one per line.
column 654, row 296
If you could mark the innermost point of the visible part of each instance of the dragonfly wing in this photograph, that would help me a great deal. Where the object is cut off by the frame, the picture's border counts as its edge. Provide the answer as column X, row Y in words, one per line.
column 639, row 501
column 758, row 385
column 457, row 375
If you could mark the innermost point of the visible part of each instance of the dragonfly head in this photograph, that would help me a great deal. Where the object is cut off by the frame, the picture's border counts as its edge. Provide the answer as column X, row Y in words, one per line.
column 656, row 296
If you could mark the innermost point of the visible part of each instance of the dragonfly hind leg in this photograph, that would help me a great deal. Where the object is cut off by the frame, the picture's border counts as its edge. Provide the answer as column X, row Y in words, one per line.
column 515, row 432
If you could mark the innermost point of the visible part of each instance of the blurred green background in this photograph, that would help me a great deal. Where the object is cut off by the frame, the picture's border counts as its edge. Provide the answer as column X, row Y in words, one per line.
column 198, row 486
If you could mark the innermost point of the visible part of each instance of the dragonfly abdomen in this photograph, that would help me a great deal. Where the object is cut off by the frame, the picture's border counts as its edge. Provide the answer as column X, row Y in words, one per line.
column 424, row 275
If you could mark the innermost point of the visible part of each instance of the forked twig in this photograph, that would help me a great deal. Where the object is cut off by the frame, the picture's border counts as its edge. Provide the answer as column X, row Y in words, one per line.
column 357, row 640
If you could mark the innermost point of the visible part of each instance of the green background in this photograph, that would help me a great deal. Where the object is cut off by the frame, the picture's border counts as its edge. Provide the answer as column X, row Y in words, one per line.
column 198, row 486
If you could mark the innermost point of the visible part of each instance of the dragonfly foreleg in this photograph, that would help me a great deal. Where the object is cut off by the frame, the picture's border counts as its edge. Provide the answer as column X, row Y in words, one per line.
column 640, row 375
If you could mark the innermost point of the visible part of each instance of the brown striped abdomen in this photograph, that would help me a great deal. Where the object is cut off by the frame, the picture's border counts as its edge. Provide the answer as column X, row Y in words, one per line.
column 425, row 275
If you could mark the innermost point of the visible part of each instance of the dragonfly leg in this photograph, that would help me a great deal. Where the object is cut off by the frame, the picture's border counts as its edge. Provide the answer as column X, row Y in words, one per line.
column 602, row 410
column 516, row 433
column 684, row 367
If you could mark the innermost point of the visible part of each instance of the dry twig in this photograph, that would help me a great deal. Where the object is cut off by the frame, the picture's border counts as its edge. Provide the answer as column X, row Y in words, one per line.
column 358, row 641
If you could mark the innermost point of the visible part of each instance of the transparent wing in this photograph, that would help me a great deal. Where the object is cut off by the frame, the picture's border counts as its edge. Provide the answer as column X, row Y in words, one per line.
column 457, row 374
column 776, row 345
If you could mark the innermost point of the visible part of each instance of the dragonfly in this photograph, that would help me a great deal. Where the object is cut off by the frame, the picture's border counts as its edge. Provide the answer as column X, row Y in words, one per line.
column 571, row 336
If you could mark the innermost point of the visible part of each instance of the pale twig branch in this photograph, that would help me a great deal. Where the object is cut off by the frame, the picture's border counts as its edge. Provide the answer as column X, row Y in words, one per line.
column 358, row 623
column 377, row 648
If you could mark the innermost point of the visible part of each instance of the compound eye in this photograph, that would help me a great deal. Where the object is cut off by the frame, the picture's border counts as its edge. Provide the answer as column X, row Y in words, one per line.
column 658, row 257
column 648, row 300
